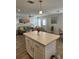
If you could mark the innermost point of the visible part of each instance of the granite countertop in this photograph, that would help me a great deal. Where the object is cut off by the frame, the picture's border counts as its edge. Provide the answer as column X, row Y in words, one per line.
column 43, row 37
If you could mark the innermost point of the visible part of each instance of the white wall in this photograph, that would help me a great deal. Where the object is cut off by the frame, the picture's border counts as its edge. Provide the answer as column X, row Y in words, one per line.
column 57, row 26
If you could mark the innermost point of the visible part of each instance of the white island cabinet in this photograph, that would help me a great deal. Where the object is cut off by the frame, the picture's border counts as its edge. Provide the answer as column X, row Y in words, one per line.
column 41, row 46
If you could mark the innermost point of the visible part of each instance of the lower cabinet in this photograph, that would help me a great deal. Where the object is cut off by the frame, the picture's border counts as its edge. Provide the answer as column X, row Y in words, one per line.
column 29, row 47
column 37, row 54
column 39, row 51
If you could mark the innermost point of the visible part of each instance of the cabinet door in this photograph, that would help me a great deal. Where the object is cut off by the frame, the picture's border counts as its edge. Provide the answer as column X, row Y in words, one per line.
column 38, row 54
column 29, row 47
column 30, row 44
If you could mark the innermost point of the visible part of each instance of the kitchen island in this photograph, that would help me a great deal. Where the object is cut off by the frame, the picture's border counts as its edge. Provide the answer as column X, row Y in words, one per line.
column 41, row 46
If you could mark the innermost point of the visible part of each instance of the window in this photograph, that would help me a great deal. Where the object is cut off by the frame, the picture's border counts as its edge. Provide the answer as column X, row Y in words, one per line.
column 36, row 21
column 39, row 22
column 44, row 21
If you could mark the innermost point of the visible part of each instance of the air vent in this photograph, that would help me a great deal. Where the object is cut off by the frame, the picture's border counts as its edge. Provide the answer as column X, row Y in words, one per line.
column 30, row 1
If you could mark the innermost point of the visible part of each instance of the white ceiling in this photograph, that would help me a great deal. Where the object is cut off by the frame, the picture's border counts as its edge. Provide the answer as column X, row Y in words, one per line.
column 48, row 6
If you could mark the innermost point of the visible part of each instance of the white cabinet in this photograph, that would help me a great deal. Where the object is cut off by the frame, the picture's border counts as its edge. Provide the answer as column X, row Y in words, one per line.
column 29, row 46
column 38, row 54
column 39, row 51
column 41, row 46
column 34, row 49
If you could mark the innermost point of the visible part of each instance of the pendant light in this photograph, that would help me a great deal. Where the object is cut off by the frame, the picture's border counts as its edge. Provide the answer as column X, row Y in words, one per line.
column 40, row 11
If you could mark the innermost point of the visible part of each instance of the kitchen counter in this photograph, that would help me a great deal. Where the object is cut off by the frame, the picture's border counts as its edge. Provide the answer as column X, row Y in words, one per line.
column 41, row 46
column 43, row 37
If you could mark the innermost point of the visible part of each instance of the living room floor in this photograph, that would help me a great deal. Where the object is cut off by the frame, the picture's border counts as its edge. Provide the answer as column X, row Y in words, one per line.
column 21, row 50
